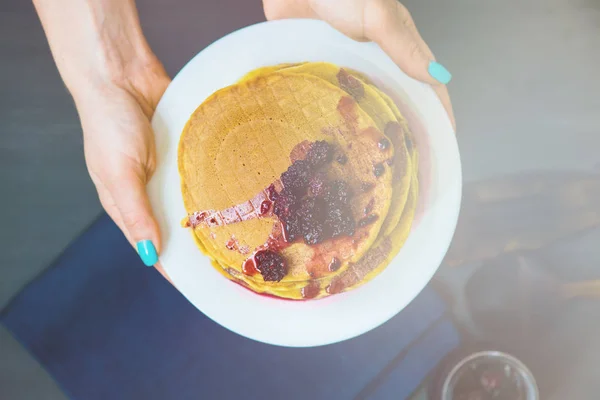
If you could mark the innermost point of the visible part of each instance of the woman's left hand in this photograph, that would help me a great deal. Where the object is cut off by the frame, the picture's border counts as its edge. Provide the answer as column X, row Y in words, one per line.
column 385, row 22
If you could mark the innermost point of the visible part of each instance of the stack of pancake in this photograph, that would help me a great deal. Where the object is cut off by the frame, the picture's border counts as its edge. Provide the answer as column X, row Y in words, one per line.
column 300, row 181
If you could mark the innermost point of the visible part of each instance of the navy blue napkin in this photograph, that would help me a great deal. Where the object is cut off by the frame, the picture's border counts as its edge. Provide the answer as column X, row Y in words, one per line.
column 106, row 327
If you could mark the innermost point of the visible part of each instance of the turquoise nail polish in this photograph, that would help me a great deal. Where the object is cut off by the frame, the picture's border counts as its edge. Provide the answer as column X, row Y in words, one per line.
column 147, row 252
column 439, row 72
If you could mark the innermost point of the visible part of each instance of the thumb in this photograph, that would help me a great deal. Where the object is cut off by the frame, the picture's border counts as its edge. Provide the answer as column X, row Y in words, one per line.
column 131, row 200
column 390, row 25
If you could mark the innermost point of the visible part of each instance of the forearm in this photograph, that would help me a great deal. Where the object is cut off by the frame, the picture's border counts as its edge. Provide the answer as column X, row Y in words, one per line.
column 95, row 42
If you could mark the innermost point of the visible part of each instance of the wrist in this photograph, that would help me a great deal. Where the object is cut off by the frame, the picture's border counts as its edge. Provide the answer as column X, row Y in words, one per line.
column 118, row 56
column 96, row 43
column 134, row 76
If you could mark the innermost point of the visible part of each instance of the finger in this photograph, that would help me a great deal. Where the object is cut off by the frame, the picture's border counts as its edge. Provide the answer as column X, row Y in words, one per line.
column 111, row 209
column 390, row 25
column 398, row 36
column 128, row 190
column 441, row 90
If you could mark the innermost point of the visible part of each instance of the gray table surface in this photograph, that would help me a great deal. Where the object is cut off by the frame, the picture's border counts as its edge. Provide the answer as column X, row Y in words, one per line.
column 525, row 90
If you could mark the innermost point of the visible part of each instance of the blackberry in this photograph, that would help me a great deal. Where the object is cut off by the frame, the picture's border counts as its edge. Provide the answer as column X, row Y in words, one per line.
column 284, row 204
column 296, row 178
column 340, row 222
column 378, row 170
column 338, row 193
column 316, row 186
column 272, row 266
column 313, row 233
column 311, row 209
column 311, row 216
column 291, row 228
column 319, row 154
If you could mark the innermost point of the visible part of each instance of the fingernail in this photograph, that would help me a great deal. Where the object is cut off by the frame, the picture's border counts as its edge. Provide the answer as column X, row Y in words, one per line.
column 147, row 252
column 439, row 72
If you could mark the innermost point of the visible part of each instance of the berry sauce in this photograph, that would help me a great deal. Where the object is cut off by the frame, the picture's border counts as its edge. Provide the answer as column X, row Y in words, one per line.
column 334, row 264
column 310, row 291
column 378, row 169
column 350, row 84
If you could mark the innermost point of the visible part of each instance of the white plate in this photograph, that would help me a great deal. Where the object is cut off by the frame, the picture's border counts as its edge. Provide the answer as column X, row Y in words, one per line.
column 319, row 322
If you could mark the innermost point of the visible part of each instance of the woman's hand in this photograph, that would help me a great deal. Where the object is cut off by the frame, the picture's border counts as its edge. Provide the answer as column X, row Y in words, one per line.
column 386, row 22
column 116, row 82
column 120, row 154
